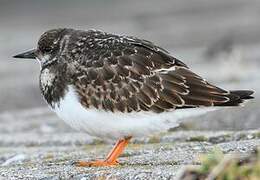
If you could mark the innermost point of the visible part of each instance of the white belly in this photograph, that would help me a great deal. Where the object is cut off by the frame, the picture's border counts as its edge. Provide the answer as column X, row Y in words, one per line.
column 109, row 125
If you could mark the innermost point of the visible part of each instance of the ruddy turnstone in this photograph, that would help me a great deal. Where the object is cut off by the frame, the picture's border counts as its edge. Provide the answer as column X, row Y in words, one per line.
column 119, row 87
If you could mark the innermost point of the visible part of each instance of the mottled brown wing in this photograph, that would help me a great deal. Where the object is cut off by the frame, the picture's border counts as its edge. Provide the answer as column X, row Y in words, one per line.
column 143, row 78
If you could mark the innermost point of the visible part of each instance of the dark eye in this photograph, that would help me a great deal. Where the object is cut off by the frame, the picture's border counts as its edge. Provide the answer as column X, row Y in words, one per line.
column 47, row 49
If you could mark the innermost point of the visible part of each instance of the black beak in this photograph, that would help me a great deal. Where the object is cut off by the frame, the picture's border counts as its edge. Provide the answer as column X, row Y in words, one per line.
column 26, row 55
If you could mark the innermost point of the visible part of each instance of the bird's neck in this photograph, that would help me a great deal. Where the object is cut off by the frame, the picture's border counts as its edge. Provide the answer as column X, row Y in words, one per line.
column 53, row 84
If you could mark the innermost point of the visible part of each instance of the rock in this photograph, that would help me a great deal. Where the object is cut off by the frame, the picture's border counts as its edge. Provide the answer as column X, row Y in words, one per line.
column 15, row 159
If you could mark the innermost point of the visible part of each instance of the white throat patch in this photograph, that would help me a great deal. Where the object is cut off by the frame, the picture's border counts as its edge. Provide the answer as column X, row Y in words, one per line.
column 46, row 78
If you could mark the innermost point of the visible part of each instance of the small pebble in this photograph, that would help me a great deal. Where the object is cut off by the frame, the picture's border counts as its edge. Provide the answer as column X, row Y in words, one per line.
column 15, row 159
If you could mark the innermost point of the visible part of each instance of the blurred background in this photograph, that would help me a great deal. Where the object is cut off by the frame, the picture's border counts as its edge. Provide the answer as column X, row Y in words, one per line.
column 219, row 40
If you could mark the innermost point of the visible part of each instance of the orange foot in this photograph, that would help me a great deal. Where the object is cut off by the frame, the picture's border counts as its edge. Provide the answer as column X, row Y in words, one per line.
column 111, row 159
column 95, row 163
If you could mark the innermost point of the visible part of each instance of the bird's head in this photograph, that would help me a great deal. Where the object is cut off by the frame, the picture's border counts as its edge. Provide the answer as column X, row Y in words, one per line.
column 48, row 47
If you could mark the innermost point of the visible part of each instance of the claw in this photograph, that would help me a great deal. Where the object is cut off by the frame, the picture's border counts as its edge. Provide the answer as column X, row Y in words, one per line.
column 95, row 163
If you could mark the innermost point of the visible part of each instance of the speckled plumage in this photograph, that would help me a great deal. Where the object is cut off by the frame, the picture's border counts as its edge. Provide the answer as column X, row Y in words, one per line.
column 121, row 74
column 113, row 86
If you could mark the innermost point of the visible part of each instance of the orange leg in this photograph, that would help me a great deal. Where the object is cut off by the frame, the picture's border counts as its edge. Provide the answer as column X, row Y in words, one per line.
column 111, row 159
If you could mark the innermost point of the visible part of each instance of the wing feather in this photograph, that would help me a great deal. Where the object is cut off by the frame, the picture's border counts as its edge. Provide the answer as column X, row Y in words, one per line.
column 136, row 75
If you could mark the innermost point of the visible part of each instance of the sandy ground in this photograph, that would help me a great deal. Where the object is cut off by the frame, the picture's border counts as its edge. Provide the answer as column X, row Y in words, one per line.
column 217, row 39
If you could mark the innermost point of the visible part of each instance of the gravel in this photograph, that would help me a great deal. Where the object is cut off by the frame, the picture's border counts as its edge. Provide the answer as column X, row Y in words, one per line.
column 29, row 151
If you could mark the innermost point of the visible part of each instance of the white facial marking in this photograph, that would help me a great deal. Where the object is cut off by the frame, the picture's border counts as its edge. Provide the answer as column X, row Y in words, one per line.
column 46, row 78
column 43, row 59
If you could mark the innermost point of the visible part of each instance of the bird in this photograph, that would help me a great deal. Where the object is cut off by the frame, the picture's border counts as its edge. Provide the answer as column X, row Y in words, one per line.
column 119, row 87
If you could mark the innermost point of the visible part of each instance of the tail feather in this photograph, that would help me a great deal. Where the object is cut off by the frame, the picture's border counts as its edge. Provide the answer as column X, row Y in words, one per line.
column 237, row 97
column 243, row 94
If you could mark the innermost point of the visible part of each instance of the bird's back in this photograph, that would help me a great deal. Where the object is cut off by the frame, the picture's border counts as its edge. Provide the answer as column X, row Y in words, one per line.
column 127, row 74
